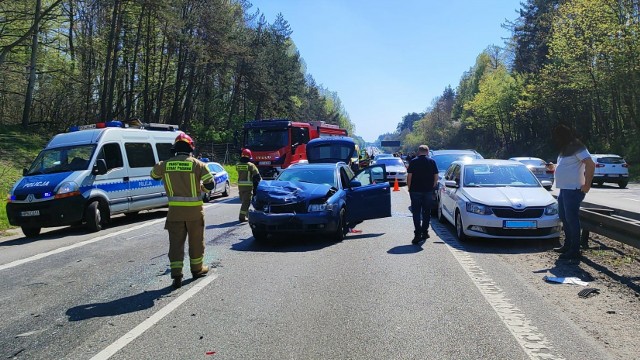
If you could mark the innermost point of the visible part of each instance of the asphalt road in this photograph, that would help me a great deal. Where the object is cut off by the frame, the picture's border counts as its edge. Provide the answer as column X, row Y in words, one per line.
column 73, row 295
column 611, row 196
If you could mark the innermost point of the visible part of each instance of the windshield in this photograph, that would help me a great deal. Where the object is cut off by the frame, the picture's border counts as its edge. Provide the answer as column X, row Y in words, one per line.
column 443, row 161
column 266, row 139
column 314, row 176
column 70, row 158
column 390, row 161
column 499, row 176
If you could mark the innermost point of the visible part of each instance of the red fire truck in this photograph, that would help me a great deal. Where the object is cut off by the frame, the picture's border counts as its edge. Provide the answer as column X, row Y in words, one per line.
column 276, row 144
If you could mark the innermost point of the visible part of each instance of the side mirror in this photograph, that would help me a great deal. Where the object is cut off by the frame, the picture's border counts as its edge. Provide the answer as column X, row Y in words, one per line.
column 100, row 167
column 451, row 183
column 354, row 183
column 546, row 183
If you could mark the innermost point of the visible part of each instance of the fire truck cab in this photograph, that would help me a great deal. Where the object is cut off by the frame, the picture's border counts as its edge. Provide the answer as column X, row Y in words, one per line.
column 276, row 144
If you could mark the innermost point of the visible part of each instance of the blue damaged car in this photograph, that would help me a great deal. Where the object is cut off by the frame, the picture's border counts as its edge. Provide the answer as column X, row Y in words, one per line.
column 323, row 196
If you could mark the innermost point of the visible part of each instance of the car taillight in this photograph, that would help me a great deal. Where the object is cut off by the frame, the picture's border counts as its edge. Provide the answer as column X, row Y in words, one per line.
column 599, row 165
column 551, row 168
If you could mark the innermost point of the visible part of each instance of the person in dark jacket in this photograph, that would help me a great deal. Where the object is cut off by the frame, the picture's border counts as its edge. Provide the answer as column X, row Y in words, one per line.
column 422, row 178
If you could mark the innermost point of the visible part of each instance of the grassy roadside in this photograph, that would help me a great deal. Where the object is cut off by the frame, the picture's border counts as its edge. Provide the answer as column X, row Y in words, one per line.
column 17, row 149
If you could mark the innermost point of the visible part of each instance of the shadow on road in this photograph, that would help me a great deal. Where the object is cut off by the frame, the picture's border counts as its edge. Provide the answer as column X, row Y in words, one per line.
column 284, row 243
column 405, row 249
column 129, row 304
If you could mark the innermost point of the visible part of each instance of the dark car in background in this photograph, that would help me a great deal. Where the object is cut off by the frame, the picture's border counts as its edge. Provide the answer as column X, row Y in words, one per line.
column 443, row 159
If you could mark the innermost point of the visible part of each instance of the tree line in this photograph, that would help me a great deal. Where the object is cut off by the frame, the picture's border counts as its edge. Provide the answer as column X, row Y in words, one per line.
column 574, row 62
column 207, row 66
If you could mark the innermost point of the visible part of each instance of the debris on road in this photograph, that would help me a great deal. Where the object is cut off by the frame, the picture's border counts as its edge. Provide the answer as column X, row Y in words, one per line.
column 585, row 293
column 565, row 280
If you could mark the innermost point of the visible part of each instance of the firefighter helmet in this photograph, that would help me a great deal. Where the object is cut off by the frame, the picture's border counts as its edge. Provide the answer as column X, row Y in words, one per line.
column 246, row 153
column 186, row 138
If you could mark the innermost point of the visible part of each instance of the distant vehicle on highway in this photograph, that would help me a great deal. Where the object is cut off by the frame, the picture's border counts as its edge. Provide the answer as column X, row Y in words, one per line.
column 396, row 169
column 380, row 156
column 221, row 178
column 544, row 171
column 497, row 199
column 610, row 168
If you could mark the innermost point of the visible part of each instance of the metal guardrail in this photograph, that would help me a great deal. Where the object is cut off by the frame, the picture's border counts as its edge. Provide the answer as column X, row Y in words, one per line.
column 609, row 223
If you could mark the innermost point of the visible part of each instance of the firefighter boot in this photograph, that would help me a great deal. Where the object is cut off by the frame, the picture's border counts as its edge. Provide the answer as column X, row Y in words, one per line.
column 177, row 282
column 203, row 272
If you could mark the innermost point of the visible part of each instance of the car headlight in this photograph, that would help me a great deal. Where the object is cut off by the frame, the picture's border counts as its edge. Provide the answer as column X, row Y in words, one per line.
column 320, row 207
column 478, row 209
column 551, row 209
column 67, row 187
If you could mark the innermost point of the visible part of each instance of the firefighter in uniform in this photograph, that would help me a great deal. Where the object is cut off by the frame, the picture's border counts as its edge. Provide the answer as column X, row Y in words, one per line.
column 182, row 176
column 248, row 179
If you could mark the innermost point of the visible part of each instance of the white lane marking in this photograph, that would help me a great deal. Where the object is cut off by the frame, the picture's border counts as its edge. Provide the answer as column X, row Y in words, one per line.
column 153, row 319
column 531, row 340
column 83, row 243
column 74, row 246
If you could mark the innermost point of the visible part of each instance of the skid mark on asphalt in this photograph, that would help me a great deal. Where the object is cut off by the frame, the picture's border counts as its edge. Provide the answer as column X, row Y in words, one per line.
column 532, row 341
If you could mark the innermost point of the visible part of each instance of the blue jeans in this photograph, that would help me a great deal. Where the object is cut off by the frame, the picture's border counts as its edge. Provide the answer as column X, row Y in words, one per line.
column 569, row 211
column 421, row 210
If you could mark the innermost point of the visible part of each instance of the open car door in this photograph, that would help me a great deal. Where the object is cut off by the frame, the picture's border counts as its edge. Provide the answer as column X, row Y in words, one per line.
column 369, row 195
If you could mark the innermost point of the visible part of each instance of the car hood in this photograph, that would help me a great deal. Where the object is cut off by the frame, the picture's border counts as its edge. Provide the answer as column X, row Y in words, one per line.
column 516, row 197
column 287, row 192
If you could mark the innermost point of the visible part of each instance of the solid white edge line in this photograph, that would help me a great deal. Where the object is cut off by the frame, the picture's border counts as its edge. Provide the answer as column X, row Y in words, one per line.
column 86, row 242
column 116, row 346
column 530, row 339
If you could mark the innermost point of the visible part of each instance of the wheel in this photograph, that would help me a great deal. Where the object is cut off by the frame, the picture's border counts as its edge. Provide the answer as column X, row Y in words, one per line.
column 93, row 217
column 259, row 235
column 441, row 215
column 227, row 189
column 206, row 197
column 460, row 228
column 623, row 184
column 30, row 231
column 340, row 231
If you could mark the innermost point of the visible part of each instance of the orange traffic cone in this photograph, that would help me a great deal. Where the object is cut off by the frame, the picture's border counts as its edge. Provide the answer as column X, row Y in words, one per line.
column 395, row 185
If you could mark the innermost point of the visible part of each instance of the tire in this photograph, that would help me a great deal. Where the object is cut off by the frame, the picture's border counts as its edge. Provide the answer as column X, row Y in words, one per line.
column 30, row 231
column 441, row 217
column 206, row 197
column 93, row 216
column 227, row 189
column 259, row 236
column 340, row 231
column 623, row 184
column 459, row 228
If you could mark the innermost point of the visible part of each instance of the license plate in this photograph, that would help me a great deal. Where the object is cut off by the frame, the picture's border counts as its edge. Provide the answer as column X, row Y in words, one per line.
column 30, row 213
column 613, row 175
column 519, row 224
column 264, row 163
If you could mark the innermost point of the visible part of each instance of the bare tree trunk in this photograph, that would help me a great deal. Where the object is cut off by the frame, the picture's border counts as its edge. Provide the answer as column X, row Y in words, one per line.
column 107, row 63
column 32, row 68
column 114, row 63
column 134, row 62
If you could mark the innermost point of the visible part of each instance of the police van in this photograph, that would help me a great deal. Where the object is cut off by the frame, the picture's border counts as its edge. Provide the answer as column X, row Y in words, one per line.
column 91, row 173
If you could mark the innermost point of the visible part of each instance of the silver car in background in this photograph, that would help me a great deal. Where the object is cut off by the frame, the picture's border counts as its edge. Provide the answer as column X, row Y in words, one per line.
column 545, row 172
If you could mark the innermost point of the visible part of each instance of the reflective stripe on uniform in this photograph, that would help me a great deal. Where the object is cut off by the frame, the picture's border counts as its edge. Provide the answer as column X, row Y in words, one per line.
column 192, row 177
column 154, row 176
column 243, row 212
column 245, row 183
column 185, row 203
column 167, row 182
column 176, row 265
column 197, row 261
column 206, row 177
column 242, row 167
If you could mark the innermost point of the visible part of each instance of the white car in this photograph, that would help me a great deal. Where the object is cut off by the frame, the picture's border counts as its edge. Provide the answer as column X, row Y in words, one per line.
column 221, row 178
column 395, row 169
column 497, row 199
column 380, row 156
column 610, row 168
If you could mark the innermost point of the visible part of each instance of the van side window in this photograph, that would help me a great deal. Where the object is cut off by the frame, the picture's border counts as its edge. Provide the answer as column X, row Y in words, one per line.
column 164, row 151
column 112, row 155
column 140, row 155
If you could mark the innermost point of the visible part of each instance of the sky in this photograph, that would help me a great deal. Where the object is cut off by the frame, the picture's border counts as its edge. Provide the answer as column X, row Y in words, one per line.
column 386, row 58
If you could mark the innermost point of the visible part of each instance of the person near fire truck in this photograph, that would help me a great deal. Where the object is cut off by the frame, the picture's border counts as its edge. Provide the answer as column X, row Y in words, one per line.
column 182, row 176
column 248, row 179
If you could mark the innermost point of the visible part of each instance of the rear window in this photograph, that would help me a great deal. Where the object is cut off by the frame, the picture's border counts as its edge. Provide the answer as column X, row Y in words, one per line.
column 611, row 160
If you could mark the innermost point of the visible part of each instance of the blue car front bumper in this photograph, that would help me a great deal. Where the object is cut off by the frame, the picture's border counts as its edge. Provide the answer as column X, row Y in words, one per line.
column 315, row 222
